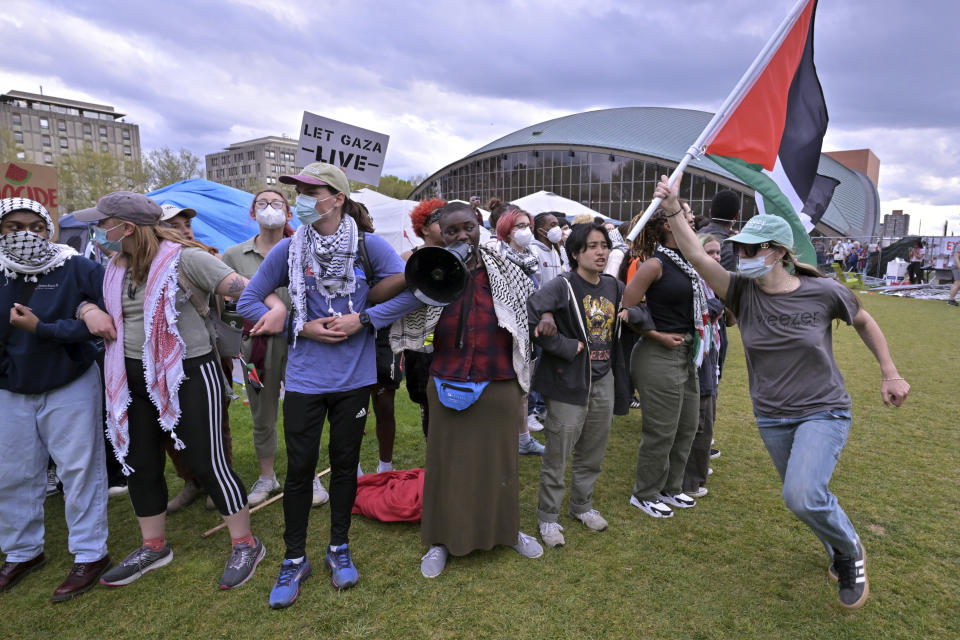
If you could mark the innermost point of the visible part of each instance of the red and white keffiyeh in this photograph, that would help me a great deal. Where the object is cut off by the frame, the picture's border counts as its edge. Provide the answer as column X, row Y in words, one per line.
column 163, row 349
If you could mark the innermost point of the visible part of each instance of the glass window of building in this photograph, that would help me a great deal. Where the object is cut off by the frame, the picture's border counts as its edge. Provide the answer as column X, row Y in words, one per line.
column 127, row 151
column 61, row 125
column 48, row 158
column 44, row 123
column 104, row 147
column 103, row 131
column 18, row 136
column 63, row 143
column 16, row 119
column 45, row 140
column 125, row 134
column 250, row 155
column 87, row 129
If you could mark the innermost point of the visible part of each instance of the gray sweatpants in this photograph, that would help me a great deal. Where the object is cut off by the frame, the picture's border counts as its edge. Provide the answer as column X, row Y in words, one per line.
column 582, row 430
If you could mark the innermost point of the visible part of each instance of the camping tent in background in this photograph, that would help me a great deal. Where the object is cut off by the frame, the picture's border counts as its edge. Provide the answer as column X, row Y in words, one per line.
column 223, row 215
column 391, row 218
column 222, row 212
column 546, row 201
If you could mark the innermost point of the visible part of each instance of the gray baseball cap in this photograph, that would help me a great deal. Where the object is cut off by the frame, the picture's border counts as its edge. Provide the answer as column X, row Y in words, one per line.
column 123, row 205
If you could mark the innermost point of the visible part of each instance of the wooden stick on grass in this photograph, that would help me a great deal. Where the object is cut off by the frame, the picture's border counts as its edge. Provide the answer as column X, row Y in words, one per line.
column 257, row 508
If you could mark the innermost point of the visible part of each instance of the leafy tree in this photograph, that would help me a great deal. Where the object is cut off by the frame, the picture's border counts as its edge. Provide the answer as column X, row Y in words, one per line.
column 10, row 149
column 87, row 175
column 392, row 186
column 163, row 166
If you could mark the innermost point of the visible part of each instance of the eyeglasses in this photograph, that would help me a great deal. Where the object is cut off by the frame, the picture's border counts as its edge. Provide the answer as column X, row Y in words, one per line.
column 750, row 250
column 263, row 204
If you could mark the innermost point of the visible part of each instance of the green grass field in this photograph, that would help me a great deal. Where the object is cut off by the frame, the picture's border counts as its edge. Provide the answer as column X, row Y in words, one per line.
column 739, row 565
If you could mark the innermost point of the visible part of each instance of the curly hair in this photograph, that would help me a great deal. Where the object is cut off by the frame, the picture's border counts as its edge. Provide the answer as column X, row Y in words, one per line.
column 651, row 235
column 420, row 213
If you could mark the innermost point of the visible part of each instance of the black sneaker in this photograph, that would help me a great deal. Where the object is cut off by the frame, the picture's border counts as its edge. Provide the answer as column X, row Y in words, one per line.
column 241, row 564
column 952, row 303
column 136, row 564
column 714, row 453
column 851, row 574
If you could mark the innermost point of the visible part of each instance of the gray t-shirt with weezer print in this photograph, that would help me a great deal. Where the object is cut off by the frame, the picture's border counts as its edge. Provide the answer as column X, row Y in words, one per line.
column 788, row 343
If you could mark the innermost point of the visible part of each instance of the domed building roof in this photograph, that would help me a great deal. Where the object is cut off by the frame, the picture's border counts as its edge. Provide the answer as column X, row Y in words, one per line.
column 667, row 133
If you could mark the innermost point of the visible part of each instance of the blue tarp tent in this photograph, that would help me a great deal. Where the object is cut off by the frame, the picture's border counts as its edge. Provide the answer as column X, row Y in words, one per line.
column 222, row 213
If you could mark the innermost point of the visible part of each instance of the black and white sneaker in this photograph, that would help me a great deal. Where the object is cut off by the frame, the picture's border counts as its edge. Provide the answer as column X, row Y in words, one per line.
column 714, row 453
column 652, row 508
column 679, row 500
column 853, row 587
column 136, row 564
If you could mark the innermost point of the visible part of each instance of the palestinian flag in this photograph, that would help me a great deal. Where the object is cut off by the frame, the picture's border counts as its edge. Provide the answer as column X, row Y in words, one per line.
column 780, row 114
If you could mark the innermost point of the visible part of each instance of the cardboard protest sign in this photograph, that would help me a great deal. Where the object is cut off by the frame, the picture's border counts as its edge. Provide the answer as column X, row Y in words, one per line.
column 359, row 152
column 34, row 181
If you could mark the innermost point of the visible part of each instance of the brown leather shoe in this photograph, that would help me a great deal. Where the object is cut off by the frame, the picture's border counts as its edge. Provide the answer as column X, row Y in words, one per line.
column 82, row 576
column 187, row 495
column 13, row 572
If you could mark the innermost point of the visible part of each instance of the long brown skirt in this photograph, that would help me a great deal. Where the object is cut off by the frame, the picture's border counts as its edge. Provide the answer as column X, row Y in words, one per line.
column 471, row 497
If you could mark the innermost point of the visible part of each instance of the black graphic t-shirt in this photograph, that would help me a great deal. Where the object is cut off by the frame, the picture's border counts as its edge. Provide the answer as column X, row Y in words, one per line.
column 599, row 312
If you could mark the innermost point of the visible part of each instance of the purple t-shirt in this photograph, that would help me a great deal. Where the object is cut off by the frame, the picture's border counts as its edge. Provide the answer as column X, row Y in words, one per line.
column 788, row 344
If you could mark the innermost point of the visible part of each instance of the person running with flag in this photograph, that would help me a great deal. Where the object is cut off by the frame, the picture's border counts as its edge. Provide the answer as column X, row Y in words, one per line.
column 785, row 310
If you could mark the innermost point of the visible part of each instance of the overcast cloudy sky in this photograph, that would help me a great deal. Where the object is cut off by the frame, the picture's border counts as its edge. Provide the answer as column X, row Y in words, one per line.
column 444, row 78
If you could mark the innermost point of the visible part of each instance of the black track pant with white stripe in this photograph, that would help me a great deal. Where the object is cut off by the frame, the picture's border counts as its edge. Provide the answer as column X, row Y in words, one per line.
column 201, row 399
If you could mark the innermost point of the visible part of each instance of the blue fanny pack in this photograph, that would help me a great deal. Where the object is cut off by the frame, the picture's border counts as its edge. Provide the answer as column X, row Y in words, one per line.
column 458, row 395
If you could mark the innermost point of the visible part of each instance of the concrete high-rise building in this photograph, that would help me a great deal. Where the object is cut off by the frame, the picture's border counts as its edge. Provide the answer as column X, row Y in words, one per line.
column 253, row 164
column 895, row 224
column 47, row 127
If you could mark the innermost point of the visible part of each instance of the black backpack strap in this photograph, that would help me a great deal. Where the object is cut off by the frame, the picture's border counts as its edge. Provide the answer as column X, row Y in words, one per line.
column 364, row 258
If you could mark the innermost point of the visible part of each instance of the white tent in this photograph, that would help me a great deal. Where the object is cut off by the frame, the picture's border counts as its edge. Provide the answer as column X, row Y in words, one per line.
column 391, row 218
column 546, row 201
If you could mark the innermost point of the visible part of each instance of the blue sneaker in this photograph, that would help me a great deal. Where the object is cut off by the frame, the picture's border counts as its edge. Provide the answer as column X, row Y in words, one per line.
column 342, row 572
column 287, row 588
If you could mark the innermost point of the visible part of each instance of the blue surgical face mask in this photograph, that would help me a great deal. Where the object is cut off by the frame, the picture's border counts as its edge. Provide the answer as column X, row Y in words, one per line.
column 755, row 267
column 100, row 237
column 305, row 207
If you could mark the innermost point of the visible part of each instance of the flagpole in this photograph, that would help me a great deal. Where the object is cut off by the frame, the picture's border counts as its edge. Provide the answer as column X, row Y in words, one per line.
column 729, row 105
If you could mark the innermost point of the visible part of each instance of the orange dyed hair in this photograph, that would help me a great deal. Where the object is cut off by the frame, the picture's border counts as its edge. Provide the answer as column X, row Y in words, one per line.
column 420, row 213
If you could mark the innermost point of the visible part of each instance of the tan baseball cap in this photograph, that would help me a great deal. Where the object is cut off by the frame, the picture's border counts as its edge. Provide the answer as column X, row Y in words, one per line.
column 321, row 174
column 171, row 210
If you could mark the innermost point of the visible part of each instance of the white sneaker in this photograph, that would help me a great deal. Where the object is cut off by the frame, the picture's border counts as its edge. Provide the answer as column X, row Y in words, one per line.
column 550, row 534
column 320, row 495
column 432, row 564
column 262, row 489
column 680, row 500
column 699, row 493
column 384, row 466
column 533, row 424
column 527, row 546
column 652, row 508
column 592, row 519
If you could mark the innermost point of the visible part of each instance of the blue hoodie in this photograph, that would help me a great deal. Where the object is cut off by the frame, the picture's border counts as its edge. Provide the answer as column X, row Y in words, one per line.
column 61, row 349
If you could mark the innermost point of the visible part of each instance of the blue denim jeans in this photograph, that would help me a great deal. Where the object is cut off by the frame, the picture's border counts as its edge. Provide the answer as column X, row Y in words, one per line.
column 805, row 452
column 65, row 424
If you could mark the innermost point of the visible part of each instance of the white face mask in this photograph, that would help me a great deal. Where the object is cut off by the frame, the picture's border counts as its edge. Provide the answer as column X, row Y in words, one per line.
column 270, row 218
column 523, row 237
column 566, row 233
column 555, row 235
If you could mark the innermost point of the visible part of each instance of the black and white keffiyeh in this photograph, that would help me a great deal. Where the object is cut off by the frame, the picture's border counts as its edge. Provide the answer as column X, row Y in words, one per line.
column 27, row 254
column 329, row 259
column 701, row 315
column 525, row 259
